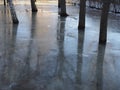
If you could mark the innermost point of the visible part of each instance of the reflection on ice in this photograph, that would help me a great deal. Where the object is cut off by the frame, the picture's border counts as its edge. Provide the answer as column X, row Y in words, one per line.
column 47, row 52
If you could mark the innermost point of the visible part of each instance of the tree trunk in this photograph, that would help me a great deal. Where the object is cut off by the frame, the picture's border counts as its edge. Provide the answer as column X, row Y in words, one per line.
column 81, row 24
column 33, row 6
column 62, row 9
column 4, row 3
column 58, row 3
column 103, row 22
column 13, row 13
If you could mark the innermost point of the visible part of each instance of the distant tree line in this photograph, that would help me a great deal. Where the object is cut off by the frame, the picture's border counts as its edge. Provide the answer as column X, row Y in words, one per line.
column 114, row 7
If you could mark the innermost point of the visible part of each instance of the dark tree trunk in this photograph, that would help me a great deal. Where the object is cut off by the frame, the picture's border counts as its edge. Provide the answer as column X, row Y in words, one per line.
column 103, row 22
column 81, row 24
column 4, row 2
column 33, row 6
column 13, row 13
column 58, row 3
column 62, row 9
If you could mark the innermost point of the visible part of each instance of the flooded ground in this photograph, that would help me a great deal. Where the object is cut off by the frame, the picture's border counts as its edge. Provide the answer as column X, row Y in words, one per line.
column 46, row 52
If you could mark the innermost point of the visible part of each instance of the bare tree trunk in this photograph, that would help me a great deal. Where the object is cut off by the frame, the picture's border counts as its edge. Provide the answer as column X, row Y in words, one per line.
column 33, row 6
column 58, row 3
column 62, row 9
column 12, row 11
column 4, row 3
column 103, row 22
column 82, row 11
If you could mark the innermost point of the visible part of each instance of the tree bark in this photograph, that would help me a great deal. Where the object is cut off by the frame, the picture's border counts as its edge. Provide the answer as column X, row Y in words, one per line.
column 81, row 24
column 58, row 3
column 13, row 13
column 33, row 6
column 62, row 9
column 4, row 2
column 103, row 22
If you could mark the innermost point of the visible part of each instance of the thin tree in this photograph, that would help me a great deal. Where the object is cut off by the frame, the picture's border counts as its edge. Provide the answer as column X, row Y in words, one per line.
column 103, row 21
column 4, row 2
column 33, row 6
column 13, row 12
column 81, row 24
column 59, row 4
column 62, row 8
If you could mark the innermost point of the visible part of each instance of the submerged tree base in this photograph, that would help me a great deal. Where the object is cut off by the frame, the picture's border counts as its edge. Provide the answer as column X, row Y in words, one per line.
column 33, row 6
column 13, row 13
column 34, row 10
column 15, row 21
column 63, row 14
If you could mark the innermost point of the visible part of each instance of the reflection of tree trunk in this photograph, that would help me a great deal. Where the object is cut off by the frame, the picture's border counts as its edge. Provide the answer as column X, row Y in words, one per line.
column 26, row 73
column 99, row 69
column 7, row 72
column 58, row 81
column 3, row 77
column 33, row 24
column 82, row 11
column 60, row 40
column 103, row 22
column 27, row 69
column 30, row 46
column 79, row 59
column 33, row 6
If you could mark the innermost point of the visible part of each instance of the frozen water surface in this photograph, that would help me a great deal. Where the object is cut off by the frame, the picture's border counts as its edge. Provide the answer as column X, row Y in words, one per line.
column 46, row 52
